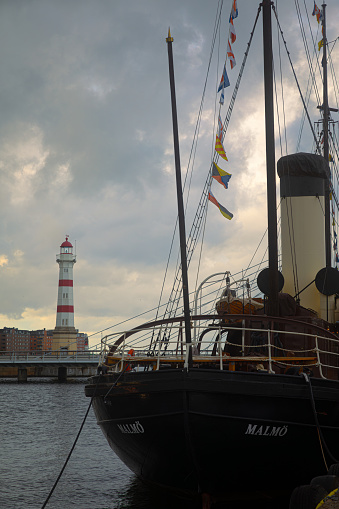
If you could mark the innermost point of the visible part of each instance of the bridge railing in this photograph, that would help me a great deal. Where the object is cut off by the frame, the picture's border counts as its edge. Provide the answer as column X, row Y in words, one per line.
column 49, row 356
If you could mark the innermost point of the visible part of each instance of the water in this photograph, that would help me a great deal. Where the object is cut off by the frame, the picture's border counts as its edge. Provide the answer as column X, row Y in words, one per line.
column 39, row 421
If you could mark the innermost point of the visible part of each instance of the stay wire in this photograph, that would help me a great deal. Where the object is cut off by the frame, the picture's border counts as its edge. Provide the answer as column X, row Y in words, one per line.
column 282, row 92
column 297, row 82
column 311, row 77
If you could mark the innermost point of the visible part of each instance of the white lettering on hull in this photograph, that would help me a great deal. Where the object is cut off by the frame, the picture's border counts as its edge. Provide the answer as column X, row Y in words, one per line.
column 266, row 431
column 131, row 428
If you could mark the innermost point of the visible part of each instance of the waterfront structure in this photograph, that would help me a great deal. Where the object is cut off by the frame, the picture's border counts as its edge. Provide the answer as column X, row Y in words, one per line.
column 65, row 334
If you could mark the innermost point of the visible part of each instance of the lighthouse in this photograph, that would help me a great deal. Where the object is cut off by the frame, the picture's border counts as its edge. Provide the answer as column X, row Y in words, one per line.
column 64, row 334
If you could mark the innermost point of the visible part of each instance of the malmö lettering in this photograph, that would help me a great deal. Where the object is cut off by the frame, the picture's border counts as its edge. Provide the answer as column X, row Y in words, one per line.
column 266, row 431
column 131, row 428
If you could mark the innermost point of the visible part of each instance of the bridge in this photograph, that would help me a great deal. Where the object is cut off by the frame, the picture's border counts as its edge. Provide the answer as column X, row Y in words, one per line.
column 47, row 363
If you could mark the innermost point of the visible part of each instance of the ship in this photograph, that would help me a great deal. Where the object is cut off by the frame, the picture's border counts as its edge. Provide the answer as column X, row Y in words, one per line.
column 243, row 401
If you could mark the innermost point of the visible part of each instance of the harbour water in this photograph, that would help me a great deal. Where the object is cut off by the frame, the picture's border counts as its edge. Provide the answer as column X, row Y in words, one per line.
column 39, row 421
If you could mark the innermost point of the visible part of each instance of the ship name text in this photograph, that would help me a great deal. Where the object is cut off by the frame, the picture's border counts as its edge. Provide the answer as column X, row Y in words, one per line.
column 266, row 431
column 131, row 428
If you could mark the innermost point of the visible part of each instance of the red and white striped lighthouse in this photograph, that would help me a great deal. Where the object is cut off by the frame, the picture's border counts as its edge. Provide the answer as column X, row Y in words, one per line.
column 64, row 333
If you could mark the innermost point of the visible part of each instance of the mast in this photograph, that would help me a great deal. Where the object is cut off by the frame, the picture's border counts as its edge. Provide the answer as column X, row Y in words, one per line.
column 326, row 149
column 273, row 307
column 181, row 215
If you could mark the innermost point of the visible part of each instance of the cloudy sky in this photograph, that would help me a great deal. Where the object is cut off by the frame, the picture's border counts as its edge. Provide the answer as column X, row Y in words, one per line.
column 86, row 147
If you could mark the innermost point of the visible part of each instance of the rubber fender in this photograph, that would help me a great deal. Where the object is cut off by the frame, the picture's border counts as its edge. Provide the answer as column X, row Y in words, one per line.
column 307, row 497
column 328, row 482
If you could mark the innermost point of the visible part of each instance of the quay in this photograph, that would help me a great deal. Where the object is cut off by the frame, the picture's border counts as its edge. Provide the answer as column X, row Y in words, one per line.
column 59, row 364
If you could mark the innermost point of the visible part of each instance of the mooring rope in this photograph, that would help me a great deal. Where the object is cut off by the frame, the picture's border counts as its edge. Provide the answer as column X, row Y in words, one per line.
column 322, row 442
column 72, row 448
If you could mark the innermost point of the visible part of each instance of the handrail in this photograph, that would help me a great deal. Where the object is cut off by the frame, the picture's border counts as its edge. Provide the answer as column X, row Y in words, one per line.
column 314, row 354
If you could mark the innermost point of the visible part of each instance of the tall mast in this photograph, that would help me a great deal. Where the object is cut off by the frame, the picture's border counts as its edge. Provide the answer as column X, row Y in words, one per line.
column 273, row 307
column 326, row 150
column 181, row 215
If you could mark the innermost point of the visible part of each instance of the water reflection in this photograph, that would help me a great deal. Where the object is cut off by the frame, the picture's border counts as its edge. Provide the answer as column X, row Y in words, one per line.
column 142, row 496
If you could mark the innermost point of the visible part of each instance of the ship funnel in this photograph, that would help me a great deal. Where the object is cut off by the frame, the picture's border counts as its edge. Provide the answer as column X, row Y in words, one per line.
column 302, row 191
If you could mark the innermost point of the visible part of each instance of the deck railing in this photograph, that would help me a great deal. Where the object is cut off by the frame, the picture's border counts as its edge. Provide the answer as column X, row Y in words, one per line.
column 314, row 347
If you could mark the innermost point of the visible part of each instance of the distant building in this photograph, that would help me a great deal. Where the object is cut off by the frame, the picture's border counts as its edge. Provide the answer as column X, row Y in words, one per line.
column 14, row 340
column 82, row 341
column 41, row 340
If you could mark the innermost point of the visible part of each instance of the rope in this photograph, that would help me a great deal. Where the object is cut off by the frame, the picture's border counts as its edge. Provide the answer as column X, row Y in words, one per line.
column 72, row 449
column 297, row 82
column 320, row 434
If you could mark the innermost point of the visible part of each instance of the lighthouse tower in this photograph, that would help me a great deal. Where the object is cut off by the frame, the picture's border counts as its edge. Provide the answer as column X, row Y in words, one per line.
column 64, row 334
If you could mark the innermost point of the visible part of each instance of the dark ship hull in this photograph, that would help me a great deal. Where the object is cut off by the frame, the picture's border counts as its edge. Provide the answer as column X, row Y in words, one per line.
column 218, row 432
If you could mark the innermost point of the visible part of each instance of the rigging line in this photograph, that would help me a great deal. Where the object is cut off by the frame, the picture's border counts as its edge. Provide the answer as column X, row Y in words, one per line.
column 236, row 88
column 257, row 249
column 255, row 252
column 230, row 108
column 282, row 93
column 322, row 441
column 277, row 106
column 322, row 210
column 141, row 314
column 333, row 139
column 303, row 34
column 197, row 128
column 215, row 31
column 215, row 98
column 292, row 243
column 295, row 77
column 311, row 77
column 334, row 42
column 202, row 242
column 310, row 63
column 313, row 40
column 334, row 78
column 264, row 255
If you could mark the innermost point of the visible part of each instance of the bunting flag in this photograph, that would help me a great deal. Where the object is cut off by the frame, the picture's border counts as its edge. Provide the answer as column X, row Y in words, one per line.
column 232, row 31
column 317, row 12
column 221, row 176
column 220, row 127
column 222, row 97
column 222, row 209
column 231, row 56
column 234, row 10
column 224, row 82
column 219, row 148
column 320, row 44
column 330, row 158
